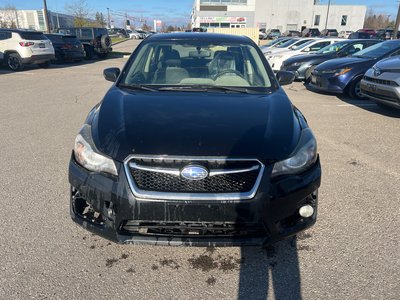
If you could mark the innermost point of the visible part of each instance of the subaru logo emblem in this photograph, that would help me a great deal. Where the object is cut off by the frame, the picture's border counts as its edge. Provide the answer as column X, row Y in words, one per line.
column 193, row 172
column 377, row 72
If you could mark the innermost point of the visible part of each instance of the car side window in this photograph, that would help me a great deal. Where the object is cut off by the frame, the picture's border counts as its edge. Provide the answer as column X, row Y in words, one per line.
column 319, row 46
column 355, row 48
column 86, row 33
column 5, row 35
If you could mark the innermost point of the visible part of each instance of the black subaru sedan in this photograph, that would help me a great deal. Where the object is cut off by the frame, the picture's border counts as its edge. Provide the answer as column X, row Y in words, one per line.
column 196, row 143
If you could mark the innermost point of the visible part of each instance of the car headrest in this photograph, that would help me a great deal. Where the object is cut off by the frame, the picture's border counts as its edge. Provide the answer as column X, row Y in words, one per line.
column 173, row 63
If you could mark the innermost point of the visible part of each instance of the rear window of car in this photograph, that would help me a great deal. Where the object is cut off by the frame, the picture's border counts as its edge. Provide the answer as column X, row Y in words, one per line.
column 32, row 36
column 70, row 38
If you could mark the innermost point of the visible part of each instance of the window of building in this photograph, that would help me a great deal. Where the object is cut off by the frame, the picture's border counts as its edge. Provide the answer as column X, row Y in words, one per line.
column 317, row 20
column 344, row 20
column 223, row 2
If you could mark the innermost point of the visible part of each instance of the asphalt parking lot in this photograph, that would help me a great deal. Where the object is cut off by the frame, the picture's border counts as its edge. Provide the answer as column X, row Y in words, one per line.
column 353, row 252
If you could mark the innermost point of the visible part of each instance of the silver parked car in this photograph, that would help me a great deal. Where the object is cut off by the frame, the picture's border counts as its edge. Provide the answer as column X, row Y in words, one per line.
column 381, row 83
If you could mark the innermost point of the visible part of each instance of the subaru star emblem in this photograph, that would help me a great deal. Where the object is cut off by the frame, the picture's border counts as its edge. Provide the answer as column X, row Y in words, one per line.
column 194, row 172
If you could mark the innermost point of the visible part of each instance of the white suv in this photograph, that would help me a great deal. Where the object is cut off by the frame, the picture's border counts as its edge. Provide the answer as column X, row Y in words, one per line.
column 21, row 47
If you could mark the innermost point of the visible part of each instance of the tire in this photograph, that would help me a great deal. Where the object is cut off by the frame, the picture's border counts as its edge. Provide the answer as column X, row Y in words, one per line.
column 89, row 52
column 105, row 42
column 307, row 75
column 354, row 90
column 44, row 65
column 14, row 62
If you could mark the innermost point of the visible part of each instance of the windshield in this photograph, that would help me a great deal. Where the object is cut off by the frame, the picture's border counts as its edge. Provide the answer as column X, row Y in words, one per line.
column 196, row 63
column 300, row 44
column 288, row 43
column 273, row 42
column 378, row 50
column 332, row 48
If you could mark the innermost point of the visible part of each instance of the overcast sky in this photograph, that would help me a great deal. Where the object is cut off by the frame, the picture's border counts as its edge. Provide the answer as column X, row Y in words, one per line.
column 170, row 11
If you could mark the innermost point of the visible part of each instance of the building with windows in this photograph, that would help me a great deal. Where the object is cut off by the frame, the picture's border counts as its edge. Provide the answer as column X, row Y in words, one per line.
column 280, row 14
column 34, row 19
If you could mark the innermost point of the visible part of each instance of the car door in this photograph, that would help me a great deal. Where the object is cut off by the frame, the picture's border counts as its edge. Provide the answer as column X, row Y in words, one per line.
column 4, row 36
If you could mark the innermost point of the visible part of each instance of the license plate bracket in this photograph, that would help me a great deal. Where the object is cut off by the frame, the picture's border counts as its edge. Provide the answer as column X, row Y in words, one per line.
column 42, row 45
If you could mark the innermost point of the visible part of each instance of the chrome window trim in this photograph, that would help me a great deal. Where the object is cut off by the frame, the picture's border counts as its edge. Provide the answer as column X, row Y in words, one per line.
column 162, row 196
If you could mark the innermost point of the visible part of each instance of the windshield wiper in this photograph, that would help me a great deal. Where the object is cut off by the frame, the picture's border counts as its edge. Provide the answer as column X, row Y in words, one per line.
column 137, row 87
column 207, row 88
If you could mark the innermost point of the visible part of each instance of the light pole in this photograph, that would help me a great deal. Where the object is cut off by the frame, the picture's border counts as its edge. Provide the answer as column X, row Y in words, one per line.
column 396, row 27
column 108, row 18
column 327, row 14
column 46, row 16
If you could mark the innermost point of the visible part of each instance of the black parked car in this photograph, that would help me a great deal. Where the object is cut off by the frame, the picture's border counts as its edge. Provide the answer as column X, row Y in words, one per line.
column 311, row 32
column 195, row 143
column 360, row 35
column 95, row 40
column 66, row 47
column 329, row 33
column 303, row 65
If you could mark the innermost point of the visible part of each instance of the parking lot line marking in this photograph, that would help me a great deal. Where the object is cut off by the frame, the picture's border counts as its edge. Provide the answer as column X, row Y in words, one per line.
column 361, row 104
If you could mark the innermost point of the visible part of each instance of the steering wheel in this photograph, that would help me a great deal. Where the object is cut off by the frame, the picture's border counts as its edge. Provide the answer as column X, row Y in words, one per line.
column 229, row 71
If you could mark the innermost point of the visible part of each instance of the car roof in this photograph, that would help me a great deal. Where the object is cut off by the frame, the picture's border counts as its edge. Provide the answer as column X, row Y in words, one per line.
column 19, row 30
column 200, row 36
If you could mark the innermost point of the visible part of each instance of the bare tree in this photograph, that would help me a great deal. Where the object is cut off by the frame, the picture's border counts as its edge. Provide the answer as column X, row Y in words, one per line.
column 377, row 21
column 80, row 10
column 8, row 17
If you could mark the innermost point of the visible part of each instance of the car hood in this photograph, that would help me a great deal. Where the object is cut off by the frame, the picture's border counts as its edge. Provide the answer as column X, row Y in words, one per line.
column 343, row 62
column 391, row 63
column 195, row 124
column 308, row 57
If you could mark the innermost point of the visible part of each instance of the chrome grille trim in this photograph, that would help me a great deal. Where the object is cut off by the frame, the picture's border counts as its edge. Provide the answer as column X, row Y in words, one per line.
column 163, row 196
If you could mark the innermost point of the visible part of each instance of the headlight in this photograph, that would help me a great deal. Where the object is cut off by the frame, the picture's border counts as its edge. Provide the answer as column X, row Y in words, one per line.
column 336, row 72
column 88, row 156
column 304, row 156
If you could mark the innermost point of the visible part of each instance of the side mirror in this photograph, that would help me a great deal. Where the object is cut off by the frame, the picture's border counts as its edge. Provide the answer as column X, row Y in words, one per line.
column 285, row 77
column 111, row 74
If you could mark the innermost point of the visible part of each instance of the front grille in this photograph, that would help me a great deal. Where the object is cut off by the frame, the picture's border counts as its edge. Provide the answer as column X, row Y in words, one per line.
column 380, row 81
column 227, row 183
column 160, row 177
column 191, row 229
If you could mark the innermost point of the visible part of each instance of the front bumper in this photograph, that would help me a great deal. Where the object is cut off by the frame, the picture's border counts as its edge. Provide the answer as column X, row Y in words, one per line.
column 270, row 216
column 385, row 94
column 328, row 83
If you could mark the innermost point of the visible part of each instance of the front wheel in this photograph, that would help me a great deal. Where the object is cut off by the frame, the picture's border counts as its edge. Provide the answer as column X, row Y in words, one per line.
column 14, row 62
column 307, row 76
column 355, row 89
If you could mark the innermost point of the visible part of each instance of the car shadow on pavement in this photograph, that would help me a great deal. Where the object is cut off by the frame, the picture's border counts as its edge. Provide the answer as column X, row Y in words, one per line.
column 272, row 270
column 371, row 106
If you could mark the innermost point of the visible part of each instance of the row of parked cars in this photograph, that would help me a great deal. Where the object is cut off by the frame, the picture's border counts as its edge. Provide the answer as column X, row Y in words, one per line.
column 19, row 47
column 131, row 34
column 365, row 33
column 360, row 68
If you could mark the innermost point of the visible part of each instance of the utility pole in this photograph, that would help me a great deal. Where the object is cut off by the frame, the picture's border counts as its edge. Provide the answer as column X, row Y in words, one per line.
column 108, row 18
column 327, row 14
column 396, row 27
column 46, row 16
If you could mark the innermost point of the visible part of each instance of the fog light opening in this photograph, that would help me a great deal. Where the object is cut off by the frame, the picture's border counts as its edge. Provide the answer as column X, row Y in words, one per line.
column 306, row 211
